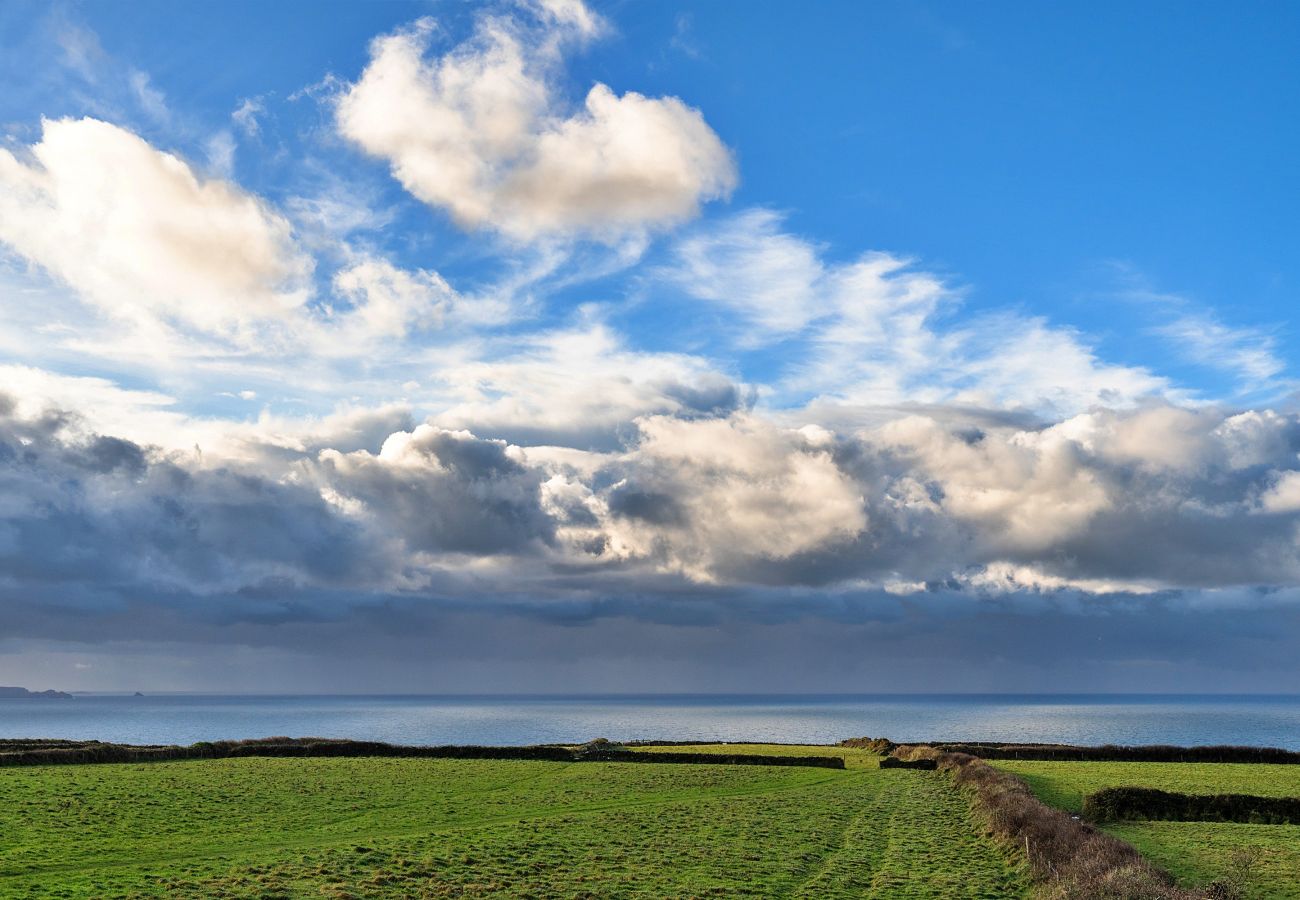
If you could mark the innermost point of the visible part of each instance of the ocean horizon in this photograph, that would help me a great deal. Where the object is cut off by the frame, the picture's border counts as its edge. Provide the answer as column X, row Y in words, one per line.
column 516, row 719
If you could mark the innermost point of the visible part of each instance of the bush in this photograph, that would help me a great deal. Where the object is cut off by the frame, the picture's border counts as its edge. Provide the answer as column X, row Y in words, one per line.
column 1122, row 753
column 1067, row 857
column 893, row 762
column 882, row 746
column 1119, row 803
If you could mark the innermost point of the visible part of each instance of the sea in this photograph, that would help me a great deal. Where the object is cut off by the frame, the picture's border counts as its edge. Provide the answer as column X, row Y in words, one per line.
column 176, row 718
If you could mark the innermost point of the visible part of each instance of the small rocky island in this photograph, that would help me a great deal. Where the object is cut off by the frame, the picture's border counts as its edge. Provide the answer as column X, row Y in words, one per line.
column 19, row 693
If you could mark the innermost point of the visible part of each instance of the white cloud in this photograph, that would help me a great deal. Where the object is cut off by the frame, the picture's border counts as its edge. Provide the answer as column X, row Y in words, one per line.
column 1023, row 491
column 137, row 233
column 81, row 49
column 1250, row 354
column 389, row 302
column 221, row 154
column 1003, row 578
column 246, row 116
column 748, row 263
column 578, row 387
column 1284, row 495
column 150, row 99
column 710, row 497
column 877, row 332
column 480, row 133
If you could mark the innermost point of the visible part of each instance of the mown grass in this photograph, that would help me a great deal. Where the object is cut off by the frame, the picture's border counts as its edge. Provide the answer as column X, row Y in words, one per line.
column 470, row 828
column 1194, row 852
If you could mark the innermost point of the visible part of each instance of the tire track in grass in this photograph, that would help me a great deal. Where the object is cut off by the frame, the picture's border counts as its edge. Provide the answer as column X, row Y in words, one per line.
column 933, row 848
column 848, row 869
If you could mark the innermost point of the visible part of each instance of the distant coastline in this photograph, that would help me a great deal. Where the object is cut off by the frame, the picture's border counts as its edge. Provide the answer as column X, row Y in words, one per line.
column 21, row 693
column 159, row 718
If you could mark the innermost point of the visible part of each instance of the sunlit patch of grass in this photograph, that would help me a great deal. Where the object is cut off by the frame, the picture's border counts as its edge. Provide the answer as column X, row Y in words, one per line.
column 369, row 827
column 1266, row 857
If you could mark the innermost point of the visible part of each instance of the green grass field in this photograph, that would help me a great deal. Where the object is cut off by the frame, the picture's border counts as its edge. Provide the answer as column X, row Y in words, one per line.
column 1195, row 852
column 467, row 828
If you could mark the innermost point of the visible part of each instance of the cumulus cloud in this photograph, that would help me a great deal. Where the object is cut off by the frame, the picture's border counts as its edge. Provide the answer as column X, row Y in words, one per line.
column 442, row 492
column 385, row 527
column 137, row 232
column 481, row 133
column 711, row 497
column 92, row 511
column 1283, row 496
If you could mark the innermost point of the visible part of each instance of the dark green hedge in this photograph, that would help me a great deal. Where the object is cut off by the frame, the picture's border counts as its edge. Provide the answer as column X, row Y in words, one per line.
column 1120, row 753
column 1126, row 803
column 730, row 759
column 893, row 762
column 35, row 753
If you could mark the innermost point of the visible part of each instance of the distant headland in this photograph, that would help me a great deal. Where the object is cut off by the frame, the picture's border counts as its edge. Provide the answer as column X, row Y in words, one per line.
column 19, row 693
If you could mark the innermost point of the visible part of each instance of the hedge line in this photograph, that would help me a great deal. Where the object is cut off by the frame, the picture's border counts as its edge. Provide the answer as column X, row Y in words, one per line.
column 731, row 759
column 1123, row 753
column 893, row 762
column 1120, row 803
column 35, row 753
column 1068, row 859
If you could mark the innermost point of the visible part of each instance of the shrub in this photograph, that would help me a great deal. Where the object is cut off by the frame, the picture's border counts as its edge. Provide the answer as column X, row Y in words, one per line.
column 1122, row 753
column 875, row 745
column 1067, row 857
column 893, row 762
column 1121, row 803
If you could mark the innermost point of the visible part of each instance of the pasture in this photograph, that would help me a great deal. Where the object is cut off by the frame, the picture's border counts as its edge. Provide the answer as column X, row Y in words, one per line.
column 371, row 827
column 1267, row 856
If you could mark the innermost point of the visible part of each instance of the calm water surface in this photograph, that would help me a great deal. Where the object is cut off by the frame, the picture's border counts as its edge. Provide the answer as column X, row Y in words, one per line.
column 1079, row 719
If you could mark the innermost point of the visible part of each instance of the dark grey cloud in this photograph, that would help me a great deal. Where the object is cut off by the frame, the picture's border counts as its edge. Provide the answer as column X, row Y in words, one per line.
column 443, row 491
column 1135, row 535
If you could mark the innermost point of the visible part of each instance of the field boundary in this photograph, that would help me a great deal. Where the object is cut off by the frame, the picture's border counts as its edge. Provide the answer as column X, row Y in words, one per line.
column 1067, row 857
column 58, row 752
column 1150, row 804
column 1218, row 753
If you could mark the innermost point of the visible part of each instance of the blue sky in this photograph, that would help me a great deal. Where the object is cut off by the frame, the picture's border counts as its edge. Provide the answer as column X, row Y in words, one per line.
column 1057, row 162
column 867, row 311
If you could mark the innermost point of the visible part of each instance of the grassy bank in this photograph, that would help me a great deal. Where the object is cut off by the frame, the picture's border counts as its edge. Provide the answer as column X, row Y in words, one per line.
column 1266, row 857
column 373, row 827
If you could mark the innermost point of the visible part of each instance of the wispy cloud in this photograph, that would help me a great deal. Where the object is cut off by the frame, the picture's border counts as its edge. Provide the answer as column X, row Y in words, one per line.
column 1249, row 354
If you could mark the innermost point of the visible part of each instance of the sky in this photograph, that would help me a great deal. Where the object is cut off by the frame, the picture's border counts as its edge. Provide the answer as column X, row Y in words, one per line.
column 544, row 346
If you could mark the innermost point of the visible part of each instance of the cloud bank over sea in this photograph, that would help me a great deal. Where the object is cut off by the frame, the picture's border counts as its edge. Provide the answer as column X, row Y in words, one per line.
column 613, row 427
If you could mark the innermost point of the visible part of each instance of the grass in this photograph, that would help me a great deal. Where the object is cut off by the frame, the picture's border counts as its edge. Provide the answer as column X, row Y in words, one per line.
column 1065, row 784
column 329, row 827
column 1199, row 852
column 1194, row 852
